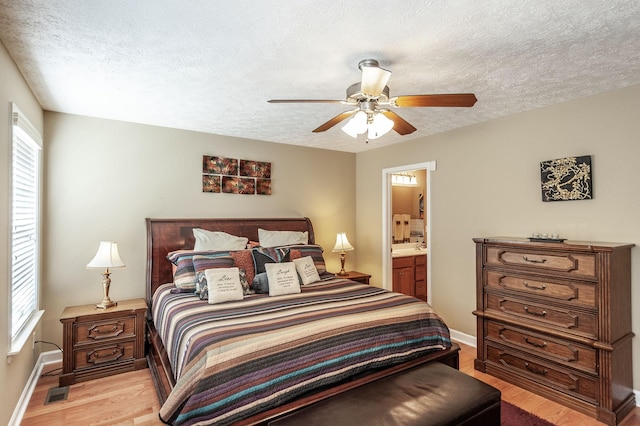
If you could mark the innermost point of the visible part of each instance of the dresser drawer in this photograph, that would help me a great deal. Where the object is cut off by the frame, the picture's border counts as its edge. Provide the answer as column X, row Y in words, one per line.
column 579, row 293
column 583, row 264
column 103, row 355
column 575, row 322
column 565, row 380
column 572, row 354
column 96, row 331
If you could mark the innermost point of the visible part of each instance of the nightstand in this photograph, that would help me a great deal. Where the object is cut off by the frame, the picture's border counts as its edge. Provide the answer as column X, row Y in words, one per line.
column 101, row 342
column 356, row 276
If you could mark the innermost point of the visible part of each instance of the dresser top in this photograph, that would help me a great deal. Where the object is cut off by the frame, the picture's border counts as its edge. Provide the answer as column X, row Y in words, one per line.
column 567, row 244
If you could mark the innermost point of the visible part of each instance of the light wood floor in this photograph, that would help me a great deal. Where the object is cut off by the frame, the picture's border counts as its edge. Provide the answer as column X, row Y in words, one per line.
column 130, row 399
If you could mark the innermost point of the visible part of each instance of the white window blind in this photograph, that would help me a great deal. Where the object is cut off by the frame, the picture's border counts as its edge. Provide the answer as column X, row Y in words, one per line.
column 25, row 217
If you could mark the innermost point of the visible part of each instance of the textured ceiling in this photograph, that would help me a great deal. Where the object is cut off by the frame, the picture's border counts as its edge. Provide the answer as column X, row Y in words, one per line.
column 211, row 66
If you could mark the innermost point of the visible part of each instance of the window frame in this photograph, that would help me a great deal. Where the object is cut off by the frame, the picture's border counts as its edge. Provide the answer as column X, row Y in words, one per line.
column 23, row 132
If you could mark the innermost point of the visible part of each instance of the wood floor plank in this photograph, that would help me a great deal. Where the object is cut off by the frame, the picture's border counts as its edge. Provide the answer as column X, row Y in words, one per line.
column 130, row 399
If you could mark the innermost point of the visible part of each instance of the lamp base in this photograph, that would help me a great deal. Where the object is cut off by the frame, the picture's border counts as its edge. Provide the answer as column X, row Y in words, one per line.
column 105, row 304
column 342, row 271
column 106, row 300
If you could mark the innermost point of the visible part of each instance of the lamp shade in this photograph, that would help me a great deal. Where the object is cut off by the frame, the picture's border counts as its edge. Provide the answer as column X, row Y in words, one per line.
column 356, row 125
column 107, row 256
column 380, row 126
column 342, row 243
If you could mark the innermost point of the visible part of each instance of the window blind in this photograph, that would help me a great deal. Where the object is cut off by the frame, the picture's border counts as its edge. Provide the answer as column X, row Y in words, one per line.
column 24, row 222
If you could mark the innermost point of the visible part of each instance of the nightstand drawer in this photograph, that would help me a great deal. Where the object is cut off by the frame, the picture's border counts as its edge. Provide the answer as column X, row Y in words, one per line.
column 103, row 355
column 104, row 330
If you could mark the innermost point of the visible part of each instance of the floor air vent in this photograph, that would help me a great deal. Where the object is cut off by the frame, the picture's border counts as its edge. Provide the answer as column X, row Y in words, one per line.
column 56, row 394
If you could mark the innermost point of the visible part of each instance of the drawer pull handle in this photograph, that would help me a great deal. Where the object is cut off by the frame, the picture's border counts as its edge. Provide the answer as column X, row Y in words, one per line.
column 536, row 344
column 105, row 331
column 539, row 314
column 535, row 370
column 106, row 355
column 533, row 287
column 533, row 260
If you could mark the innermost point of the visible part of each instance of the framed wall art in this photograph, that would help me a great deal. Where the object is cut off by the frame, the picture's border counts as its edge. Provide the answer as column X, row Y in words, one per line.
column 566, row 179
column 233, row 176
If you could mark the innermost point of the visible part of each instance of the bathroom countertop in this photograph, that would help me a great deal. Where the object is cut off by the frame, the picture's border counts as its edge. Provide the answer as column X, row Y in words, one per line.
column 407, row 249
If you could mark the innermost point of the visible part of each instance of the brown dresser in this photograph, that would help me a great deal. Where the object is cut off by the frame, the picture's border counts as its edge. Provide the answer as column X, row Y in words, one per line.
column 101, row 342
column 555, row 318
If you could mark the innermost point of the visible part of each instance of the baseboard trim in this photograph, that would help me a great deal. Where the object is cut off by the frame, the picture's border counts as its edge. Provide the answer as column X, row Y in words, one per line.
column 44, row 359
column 461, row 337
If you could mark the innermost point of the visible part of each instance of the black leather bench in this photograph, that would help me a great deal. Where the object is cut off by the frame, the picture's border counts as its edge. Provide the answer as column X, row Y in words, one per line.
column 432, row 394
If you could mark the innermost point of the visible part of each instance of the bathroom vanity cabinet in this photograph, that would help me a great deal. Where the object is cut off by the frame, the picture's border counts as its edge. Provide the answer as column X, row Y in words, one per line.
column 410, row 275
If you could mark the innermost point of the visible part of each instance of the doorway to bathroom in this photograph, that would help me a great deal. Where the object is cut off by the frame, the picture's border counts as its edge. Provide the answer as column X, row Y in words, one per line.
column 417, row 215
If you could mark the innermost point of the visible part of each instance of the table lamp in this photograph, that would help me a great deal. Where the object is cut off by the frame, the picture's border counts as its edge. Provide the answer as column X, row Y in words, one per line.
column 106, row 257
column 342, row 245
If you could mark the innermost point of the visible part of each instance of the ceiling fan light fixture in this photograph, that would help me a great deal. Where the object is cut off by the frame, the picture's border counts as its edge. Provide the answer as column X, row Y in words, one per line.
column 356, row 125
column 374, row 79
column 380, row 125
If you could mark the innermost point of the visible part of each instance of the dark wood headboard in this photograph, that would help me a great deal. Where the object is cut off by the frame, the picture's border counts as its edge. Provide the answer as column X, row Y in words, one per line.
column 167, row 235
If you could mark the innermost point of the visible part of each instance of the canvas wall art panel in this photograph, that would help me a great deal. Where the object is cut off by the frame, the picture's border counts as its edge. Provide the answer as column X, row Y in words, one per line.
column 259, row 169
column 230, row 184
column 566, row 179
column 263, row 186
column 219, row 165
column 211, row 183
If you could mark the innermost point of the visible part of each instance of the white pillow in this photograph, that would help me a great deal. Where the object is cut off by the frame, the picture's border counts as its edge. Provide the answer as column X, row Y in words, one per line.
column 283, row 278
column 307, row 270
column 224, row 285
column 216, row 240
column 281, row 238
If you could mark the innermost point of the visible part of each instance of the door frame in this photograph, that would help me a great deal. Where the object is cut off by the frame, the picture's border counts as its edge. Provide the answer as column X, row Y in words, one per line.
column 387, row 214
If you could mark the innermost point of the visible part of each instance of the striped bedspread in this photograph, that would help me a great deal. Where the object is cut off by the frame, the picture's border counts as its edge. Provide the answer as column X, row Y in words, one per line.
column 236, row 359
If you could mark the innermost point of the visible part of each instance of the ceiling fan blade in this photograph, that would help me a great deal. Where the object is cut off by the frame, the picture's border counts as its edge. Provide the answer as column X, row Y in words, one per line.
column 373, row 81
column 445, row 100
column 400, row 125
column 316, row 101
column 335, row 120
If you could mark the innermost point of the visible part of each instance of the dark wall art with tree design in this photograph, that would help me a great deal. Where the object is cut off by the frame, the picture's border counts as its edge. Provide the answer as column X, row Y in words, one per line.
column 566, row 179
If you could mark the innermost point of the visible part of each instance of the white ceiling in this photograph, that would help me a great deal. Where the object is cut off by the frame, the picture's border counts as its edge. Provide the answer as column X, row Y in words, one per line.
column 211, row 66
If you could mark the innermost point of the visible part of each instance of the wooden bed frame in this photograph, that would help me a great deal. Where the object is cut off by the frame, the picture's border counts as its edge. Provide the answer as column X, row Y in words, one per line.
column 167, row 235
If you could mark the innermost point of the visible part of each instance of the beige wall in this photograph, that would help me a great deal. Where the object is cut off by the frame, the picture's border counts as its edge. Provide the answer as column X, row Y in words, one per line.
column 105, row 177
column 487, row 183
column 13, row 88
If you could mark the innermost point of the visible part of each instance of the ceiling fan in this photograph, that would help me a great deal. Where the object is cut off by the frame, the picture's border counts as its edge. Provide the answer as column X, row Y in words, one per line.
column 371, row 102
